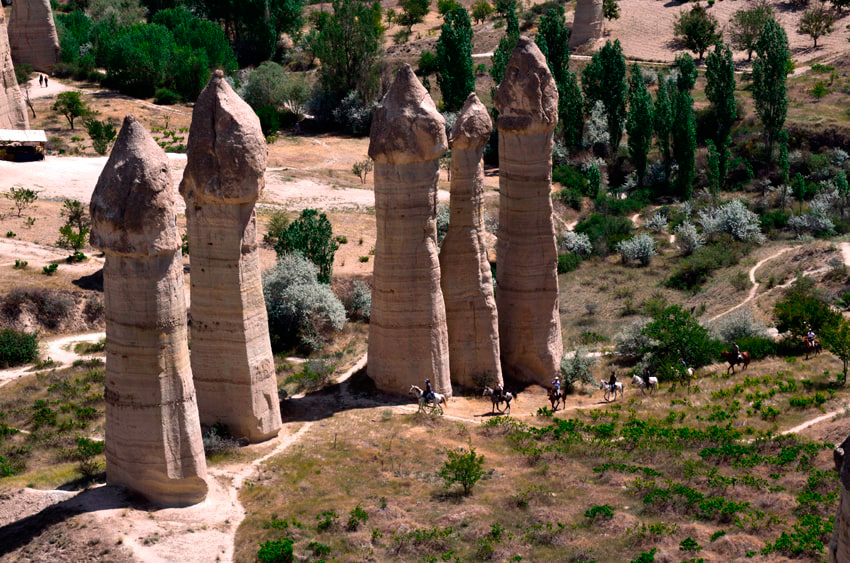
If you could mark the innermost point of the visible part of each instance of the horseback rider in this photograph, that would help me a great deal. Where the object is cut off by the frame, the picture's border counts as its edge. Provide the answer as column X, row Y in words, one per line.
column 810, row 336
column 737, row 352
column 499, row 391
column 646, row 375
column 428, row 394
column 556, row 383
column 612, row 381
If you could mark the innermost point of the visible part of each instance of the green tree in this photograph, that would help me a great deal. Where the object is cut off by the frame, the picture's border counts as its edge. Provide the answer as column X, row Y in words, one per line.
column 86, row 455
column 713, row 170
column 464, row 467
column 22, row 197
column 71, row 105
column 553, row 37
column 611, row 9
column 506, row 44
column 446, row 6
column 816, row 22
column 270, row 85
column 674, row 334
column 138, row 59
column 770, row 70
column 102, row 133
column 687, row 72
column 481, row 10
column 348, row 43
column 639, row 122
column 746, row 25
column 663, row 122
column 73, row 235
column 802, row 306
column 684, row 134
column 311, row 235
column 412, row 12
column 784, row 162
column 836, row 339
column 604, row 79
column 571, row 113
column 199, row 35
column 455, row 74
column 697, row 29
column 720, row 91
column 123, row 12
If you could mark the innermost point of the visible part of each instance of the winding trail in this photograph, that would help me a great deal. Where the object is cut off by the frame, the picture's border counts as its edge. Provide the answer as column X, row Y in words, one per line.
column 755, row 287
column 59, row 349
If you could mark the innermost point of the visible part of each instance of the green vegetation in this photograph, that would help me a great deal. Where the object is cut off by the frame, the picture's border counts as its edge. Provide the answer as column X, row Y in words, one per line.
column 464, row 467
column 71, row 105
column 17, row 348
column 770, row 70
column 697, row 29
column 311, row 235
column 22, row 197
column 74, row 234
column 454, row 59
column 604, row 79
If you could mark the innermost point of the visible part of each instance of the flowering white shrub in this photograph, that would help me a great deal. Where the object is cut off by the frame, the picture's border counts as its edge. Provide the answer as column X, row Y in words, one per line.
column 733, row 218
column 596, row 130
column 736, row 325
column 817, row 219
column 687, row 238
column 630, row 341
column 576, row 370
column 839, row 156
column 656, row 223
column 639, row 248
column 577, row 243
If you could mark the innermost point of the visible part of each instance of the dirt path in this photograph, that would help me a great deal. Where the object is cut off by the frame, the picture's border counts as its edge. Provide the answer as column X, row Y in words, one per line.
column 60, row 350
column 812, row 422
column 752, row 294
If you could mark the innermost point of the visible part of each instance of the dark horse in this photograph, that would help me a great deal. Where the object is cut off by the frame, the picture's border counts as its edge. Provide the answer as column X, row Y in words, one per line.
column 733, row 359
column 812, row 347
column 498, row 398
column 557, row 397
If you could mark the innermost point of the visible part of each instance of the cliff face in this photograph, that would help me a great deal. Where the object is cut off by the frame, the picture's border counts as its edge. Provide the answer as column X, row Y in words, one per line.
column 589, row 23
column 408, row 341
column 13, row 111
column 32, row 34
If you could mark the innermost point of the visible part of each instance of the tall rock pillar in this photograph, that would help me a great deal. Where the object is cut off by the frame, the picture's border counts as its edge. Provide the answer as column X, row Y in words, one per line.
column 839, row 546
column 32, row 34
column 153, row 436
column 231, row 352
column 408, row 340
column 527, row 257
column 465, row 272
column 13, row 112
column 588, row 24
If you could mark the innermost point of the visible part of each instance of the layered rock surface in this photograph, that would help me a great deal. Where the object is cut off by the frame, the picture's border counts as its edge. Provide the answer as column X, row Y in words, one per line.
column 13, row 112
column 231, row 352
column 153, row 435
column 839, row 546
column 32, row 34
column 466, row 280
column 527, row 275
column 589, row 22
column 408, row 340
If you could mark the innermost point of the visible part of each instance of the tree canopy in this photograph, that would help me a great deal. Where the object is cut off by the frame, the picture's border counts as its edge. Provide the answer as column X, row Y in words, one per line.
column 770, row 70
column 604, row 79
column 455, row 74
column 697, row 29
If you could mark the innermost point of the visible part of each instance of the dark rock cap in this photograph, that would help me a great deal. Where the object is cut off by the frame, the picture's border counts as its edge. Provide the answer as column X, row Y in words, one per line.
column 473, row 126
column 527, row 98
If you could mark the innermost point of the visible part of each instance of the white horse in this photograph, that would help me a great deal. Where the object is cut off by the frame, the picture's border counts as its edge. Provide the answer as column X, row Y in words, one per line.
column 608, row 391
column 638, row 381
column 436, row 404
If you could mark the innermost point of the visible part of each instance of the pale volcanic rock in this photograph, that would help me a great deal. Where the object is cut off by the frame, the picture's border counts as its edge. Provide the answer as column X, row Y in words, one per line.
column 153, row 435
column 839, row 546
column 32, row 34
column 527, row 271
column 588, row 25
column 231, row 351
column 466, row 280
column 408, row 340
column 13, row 112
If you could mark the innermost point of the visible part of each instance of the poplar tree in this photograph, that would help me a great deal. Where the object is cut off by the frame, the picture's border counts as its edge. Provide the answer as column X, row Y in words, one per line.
column 720, row 90
column 639, row 122
column 663, row 121
column 455, row 73
column 571, row 113
column 506, row 45
column 604, row 79
column 770, row 70
column 684, row 142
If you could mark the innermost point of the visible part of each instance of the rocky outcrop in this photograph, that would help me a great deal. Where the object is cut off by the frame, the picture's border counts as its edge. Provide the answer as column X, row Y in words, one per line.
column 466, row 280
column 153, row 436
column 588, row 24
column 527, row 276
column 32, row 34
column 407, row 331
column 13, row 112
column 231, row 352
column 839, row 546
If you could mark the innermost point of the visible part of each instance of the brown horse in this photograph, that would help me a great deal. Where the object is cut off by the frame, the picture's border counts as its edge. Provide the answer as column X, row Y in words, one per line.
column 733, row 359
column 557, row 397
column 812, row 347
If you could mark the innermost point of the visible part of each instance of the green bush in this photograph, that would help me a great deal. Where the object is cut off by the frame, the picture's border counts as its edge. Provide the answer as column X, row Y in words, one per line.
column 87, row 451
column 102, row 133
column 774, row 219
column 17, row 348
column 572, row 178
column 464, row 467
column 636, row 201
column 569, row 197
column 599, row 512
column 758, row 348
column 605, row 231
column 165, row 97
column 428, row 63
column 694, row 270
column 568, row 262
column 310, row 234
column 326, row 520
column 276, row 551
column 269, row 119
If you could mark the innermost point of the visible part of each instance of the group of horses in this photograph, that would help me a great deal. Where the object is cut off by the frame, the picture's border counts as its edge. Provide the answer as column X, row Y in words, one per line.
column 435, row 404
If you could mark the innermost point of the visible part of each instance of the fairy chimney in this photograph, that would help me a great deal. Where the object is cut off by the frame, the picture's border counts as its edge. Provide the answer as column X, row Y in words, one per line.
column 466, row 280
column 153, row 436
column 408, row 341
column 588, row 24
column 231, row 352
column 32, row 34
column 839, row 546
column 13, row 112
column 527, row 275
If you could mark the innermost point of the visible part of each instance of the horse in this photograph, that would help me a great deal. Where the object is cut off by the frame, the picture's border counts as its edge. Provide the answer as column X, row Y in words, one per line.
column 608, row 391
column 638, row 381
column 812, row 346
column 497, row 399
column 557, row 397
column 733, row 359
column 436, row 403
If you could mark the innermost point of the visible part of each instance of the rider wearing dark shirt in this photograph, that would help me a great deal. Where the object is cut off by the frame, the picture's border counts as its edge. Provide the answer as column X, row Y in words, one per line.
column 429, row 393
column 612, row 381
column 646, row 374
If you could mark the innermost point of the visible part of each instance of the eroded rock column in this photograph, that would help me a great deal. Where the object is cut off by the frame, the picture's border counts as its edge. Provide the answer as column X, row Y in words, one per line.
column 231, row 352
column 408, row 340
column 32, row 34
column 153, row 436
column 13, row 112
column 839, row 546
column 527, row 257
column 466, row 280
column 588, row 25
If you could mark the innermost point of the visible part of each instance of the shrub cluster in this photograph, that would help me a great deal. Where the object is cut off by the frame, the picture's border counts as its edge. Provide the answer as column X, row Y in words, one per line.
column 640, row 248
column 17, row 348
